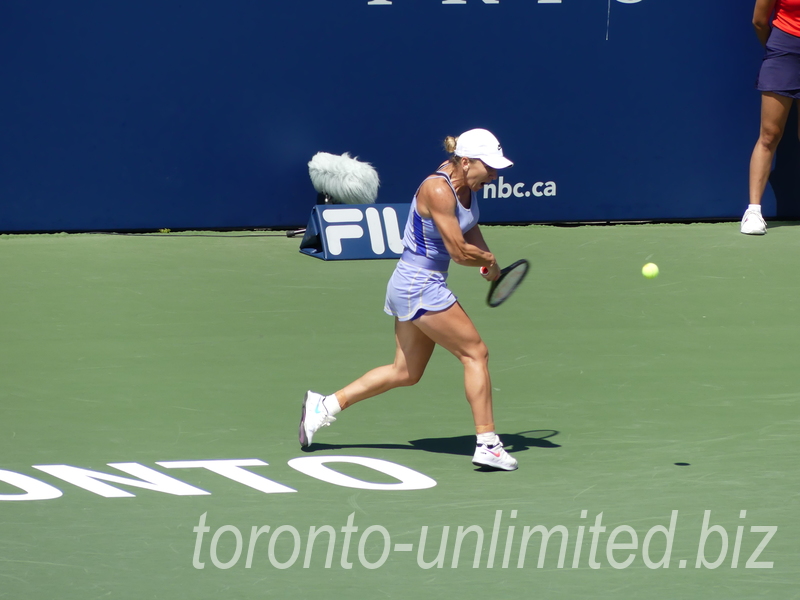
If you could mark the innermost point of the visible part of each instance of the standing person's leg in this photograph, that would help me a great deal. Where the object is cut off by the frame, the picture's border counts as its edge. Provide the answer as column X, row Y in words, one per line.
column 453, row 330
column 774, row 112
column 413, row 350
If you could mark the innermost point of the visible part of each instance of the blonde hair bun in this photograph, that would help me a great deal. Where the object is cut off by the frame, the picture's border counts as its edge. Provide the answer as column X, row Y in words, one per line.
column 450, row 144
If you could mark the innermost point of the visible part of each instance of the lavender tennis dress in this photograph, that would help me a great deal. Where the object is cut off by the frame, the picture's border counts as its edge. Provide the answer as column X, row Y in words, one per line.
column 419, row 282
column 780, row 71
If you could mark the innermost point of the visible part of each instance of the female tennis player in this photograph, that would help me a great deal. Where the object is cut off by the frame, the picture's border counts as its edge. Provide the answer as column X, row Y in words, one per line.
column 442, row 225
column 777, row 24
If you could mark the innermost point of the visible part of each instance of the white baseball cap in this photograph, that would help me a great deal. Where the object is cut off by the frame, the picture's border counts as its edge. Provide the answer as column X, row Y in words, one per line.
column 481, row 144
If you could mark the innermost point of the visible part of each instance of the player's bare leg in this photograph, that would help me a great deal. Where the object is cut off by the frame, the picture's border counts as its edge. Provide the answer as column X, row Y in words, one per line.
column 774, row 112
column 413, row 351
column 453, row 330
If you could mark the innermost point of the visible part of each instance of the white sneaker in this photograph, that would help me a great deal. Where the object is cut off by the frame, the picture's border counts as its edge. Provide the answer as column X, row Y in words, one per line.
column 494, row 456
column 753, row 223
column 313, row 417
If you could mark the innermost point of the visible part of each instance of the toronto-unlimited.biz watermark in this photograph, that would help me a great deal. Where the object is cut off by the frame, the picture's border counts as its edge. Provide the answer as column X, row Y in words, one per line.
column 508, row 543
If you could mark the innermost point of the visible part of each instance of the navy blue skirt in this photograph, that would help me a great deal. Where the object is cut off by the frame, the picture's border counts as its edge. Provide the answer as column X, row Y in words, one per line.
column 780, row 71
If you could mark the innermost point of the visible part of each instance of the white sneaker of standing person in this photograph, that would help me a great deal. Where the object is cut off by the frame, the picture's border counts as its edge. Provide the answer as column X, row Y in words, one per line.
column 752, row 221
column 494, row 455
column 313, row 418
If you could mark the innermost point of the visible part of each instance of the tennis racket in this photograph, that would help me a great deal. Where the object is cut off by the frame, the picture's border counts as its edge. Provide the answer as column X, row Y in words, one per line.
column 507, row 283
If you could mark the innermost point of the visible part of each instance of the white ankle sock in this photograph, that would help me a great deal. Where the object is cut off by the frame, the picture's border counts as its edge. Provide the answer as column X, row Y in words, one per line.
column 490, row 438
column 755, row 208
column 331, row 404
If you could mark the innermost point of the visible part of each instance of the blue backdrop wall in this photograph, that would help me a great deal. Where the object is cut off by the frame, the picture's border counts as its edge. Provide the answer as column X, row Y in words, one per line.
column 205, row 113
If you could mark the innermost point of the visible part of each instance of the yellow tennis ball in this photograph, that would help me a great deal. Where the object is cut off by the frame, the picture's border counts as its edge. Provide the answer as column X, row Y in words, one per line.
column 650, row 270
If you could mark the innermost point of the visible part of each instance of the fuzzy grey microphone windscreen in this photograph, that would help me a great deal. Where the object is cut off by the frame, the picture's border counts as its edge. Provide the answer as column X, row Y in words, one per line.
column 346, row 180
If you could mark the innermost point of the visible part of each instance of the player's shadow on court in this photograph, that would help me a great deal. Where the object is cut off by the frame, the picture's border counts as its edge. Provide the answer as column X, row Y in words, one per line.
column 462, row 445
column 777, row 224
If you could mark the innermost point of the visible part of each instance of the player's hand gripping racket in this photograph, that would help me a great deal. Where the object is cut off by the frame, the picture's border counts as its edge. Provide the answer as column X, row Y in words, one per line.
column 507, row 283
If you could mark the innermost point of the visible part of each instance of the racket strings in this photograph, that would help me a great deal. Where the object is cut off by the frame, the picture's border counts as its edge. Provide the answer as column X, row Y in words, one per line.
column 508, row 282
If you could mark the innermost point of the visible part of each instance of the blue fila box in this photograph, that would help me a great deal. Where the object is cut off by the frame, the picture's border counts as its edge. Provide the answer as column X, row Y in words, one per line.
column 355, row 231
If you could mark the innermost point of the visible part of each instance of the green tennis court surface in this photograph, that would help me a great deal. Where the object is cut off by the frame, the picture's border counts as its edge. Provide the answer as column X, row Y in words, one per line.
column 141, row 351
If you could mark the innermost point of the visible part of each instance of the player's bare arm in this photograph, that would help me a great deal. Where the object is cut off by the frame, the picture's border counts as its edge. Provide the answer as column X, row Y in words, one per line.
column 474, row 236
column 436, row 201
column 761, row 19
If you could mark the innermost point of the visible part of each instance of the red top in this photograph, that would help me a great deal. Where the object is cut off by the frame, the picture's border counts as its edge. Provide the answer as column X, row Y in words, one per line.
column 787, row 16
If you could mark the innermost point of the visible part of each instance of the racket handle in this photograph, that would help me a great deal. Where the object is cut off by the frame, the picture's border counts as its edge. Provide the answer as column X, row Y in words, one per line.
column 484, row 270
